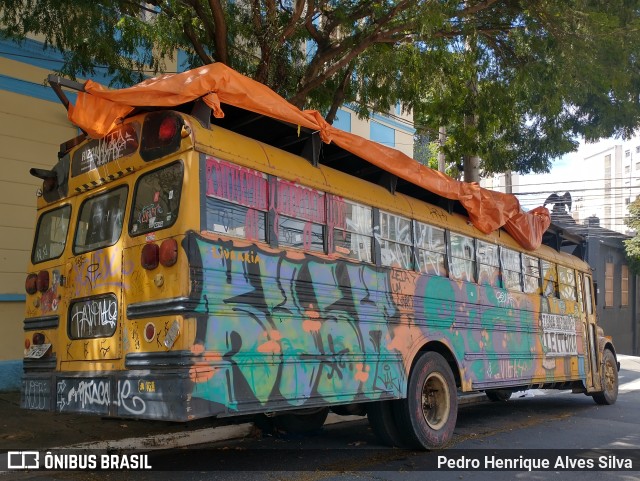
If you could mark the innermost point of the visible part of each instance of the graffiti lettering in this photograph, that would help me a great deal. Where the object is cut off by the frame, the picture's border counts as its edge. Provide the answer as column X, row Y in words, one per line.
column 94, row 317
column 132, row 404
column 512, row 369
column 36, row 394
column 83, row 395
column 300, row 202
column 103, row 268
column 111, row 147
column 238, row 184
column 250, row 257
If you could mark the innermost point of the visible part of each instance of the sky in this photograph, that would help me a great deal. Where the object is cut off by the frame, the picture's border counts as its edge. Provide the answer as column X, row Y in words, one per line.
column 579, row 175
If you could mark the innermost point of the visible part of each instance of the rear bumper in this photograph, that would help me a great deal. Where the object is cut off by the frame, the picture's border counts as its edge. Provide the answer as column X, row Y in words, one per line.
column 132, row 394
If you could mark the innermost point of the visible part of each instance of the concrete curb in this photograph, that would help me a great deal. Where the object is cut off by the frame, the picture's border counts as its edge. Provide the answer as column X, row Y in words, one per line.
column 212, row 435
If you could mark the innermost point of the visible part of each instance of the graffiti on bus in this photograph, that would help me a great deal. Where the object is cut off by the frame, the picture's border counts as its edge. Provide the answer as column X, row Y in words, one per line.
column 293, row 327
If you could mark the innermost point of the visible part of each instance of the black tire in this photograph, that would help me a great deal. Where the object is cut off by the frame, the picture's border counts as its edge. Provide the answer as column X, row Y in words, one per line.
column 428, row 415
column 609, row 380
column 499, row 395
column 383, row 423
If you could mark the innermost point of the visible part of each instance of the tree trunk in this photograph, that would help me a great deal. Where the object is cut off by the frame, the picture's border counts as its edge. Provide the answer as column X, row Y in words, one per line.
column 442, row 137
column 471, row 168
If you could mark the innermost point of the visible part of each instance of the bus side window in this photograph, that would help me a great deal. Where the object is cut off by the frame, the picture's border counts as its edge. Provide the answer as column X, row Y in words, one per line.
column 463, row 258
column 531, row 272
column 301, row 216
column 549, row 279
column 431, row 249
column 511, row 269
column 488, row 264
column 395, row 241
column 352, row 228
column 236, row 200
column 567, row 283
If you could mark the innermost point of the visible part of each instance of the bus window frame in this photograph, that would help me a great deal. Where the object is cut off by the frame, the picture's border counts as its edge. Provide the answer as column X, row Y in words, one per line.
column 275, row 188
column 268, row 212
column 473, row 259
column 373, row 247
column 504, row 270
column 410, row 244
column 79, row 218
column 37, row 232
column 135, row 193
column 94, row 298
column 498, row 281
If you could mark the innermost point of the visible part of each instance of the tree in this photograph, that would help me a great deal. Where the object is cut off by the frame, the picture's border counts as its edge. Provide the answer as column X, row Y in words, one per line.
column 513, row 82
column 632, row 246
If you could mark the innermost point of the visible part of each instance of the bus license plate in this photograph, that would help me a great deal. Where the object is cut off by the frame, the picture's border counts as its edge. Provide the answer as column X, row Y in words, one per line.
column 37, row 351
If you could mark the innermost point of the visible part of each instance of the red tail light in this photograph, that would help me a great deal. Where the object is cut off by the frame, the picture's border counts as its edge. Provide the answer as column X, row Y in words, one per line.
column 149, row 332
column 168, row 252
column 31, row 284
column 38, row 338
column 168, row 129
column 150, row 256
column 42, row 282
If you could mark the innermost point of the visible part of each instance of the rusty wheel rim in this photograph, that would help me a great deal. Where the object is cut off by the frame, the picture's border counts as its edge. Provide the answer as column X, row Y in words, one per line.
column 435, row 401
column 609, row 376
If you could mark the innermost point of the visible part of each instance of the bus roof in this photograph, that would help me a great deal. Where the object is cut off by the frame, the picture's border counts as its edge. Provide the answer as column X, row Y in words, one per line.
column 238, row 101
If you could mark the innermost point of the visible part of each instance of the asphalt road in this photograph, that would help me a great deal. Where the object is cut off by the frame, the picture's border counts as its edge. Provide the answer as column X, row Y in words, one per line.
column 547, row 425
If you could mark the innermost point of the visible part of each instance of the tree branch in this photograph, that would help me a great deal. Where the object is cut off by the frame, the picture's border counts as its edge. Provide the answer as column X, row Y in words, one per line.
column 339, row 94
column 222, row 46
column 193, row 38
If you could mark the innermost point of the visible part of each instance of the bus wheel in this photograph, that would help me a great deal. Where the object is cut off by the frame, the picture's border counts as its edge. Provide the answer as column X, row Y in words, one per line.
column 383, row 423
column 609, row 380
column 498, row 395
column 428, row 415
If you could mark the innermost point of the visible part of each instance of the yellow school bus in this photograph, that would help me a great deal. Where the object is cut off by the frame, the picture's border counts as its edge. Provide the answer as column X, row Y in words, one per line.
column 184, row 267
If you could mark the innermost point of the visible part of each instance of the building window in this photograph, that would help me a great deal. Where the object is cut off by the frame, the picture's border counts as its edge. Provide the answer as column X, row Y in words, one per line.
column 627, row 153
column 608, row 284
column 624, row 286
column 342, row 120
column 382, row 134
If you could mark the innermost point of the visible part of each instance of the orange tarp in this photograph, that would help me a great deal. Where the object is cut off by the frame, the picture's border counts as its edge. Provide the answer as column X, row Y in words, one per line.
column 98, row 110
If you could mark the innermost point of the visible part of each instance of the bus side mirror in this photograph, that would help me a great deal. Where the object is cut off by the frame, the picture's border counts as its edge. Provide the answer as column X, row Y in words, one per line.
column 595, row 293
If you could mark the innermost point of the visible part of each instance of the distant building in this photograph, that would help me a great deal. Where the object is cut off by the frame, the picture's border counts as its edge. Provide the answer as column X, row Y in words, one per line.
column 502, row 182
column 617, row 296
column 616, row 174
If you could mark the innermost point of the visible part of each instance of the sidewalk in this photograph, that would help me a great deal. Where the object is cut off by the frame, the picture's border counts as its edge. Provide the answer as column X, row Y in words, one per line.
column 21, row 429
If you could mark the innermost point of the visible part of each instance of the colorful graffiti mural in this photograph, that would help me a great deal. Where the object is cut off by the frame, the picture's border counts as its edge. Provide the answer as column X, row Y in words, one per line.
column 281, row 328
